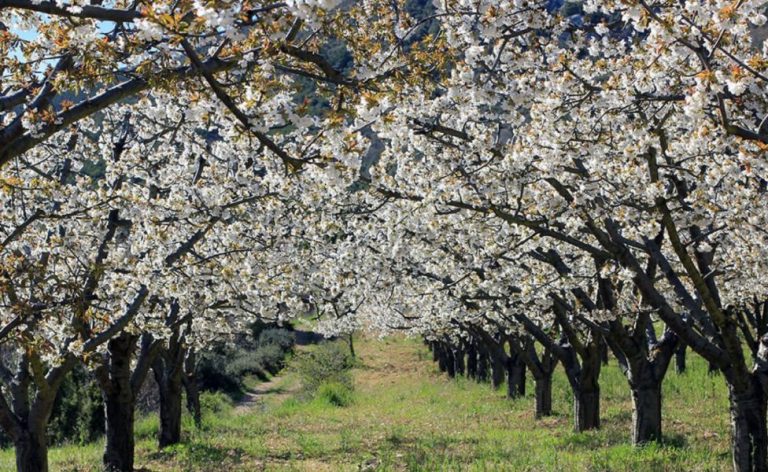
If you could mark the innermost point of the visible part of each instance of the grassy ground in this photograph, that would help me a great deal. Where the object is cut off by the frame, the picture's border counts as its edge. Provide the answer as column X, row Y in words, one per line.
column 406, row 416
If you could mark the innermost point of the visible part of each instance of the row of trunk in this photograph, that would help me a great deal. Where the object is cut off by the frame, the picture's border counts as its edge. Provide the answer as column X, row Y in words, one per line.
column 485, row 357
column 25, row 419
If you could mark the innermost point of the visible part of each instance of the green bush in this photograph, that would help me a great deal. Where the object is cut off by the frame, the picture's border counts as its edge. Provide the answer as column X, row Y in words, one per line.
column 215, row 402
column 270, row 359
column 281, row 338
column 334, row 393
column 224, row 368
column 328, row 363
column 78, row 413
column 214, row 372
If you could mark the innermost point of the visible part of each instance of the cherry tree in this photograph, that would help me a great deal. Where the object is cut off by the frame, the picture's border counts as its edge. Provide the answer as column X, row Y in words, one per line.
column 601, row 132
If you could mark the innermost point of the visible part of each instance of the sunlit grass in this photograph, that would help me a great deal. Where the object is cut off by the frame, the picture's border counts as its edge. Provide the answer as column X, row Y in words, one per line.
column 405, row 415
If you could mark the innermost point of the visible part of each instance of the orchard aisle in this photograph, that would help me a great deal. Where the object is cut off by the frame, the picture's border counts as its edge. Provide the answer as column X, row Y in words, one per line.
column 278, row 388
column 405, row 415
column 281, row 386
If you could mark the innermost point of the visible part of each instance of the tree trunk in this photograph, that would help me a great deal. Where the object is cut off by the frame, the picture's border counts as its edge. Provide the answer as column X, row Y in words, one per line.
column 458, row 361
column 543, row 387
column 749, row 439
column 482, row 365
column 604, row 352
column 351, row 344
column 498, row 371
column 31, row 451
column 450, row 364
column 646, row 414
column 586, row 395
column 118, row 454
column 168, row 368
column 119, row 402
column 515, row 376
column 471, row 361
column 192, row 389
column 680, row 359
column 440, row 354
column 434, row 347
column 170, row 414
column 586, row 408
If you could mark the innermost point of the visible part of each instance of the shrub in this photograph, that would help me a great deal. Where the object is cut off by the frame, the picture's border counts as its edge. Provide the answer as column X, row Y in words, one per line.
column 271, row 358
column 334, row 393
column 215, row 402
column 78, row 413
column 281, row 338
column 214, row 373
column 329, row 362
column 225, row 368
column 148, row 398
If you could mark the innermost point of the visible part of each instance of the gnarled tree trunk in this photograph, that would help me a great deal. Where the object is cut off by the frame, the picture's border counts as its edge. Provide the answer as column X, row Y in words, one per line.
column 586, row 391
column 192, row 388
column 543, row 387
column 482, row 364
column 168, row 368
column 170, row 413
column 450, row 364
column 515, row 375
column 646, row 414
column 471, row 361
column 498, row 369
column 31, row 444
column 441, row 357
column 680, row 358
column 586, row 408
column 749, row 438
column 119, row 403
column 458, row 361
column 119, row 385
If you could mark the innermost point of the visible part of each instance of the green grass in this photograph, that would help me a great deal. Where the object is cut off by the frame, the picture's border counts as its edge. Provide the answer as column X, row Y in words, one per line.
column 404, row 415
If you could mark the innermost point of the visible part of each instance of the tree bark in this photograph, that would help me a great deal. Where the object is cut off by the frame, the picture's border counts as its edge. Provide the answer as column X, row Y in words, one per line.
column 192, row 388
column 119, row 402
column 170, row 413
column 471, row 361
column 351, row 343
column 604, row 352
column 749, row 439
column 168, row 368
column 498, row 370
column 646, row 414
column 458, row 361
column 645, row 365
column 515, row 376
column 680, row 359
column 31, row 448
column 586, row 408
column 586, row 390
column 543, row 387
column 441, row 359
column 482, row 365
column 450, row 364
column 118, row 454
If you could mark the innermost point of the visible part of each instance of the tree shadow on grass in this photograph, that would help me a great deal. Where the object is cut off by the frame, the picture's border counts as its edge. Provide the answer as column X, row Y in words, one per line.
column 675, row 441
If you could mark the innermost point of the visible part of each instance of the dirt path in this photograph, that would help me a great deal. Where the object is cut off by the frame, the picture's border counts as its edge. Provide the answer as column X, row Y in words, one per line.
column 278, row 387
column 274, row 389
